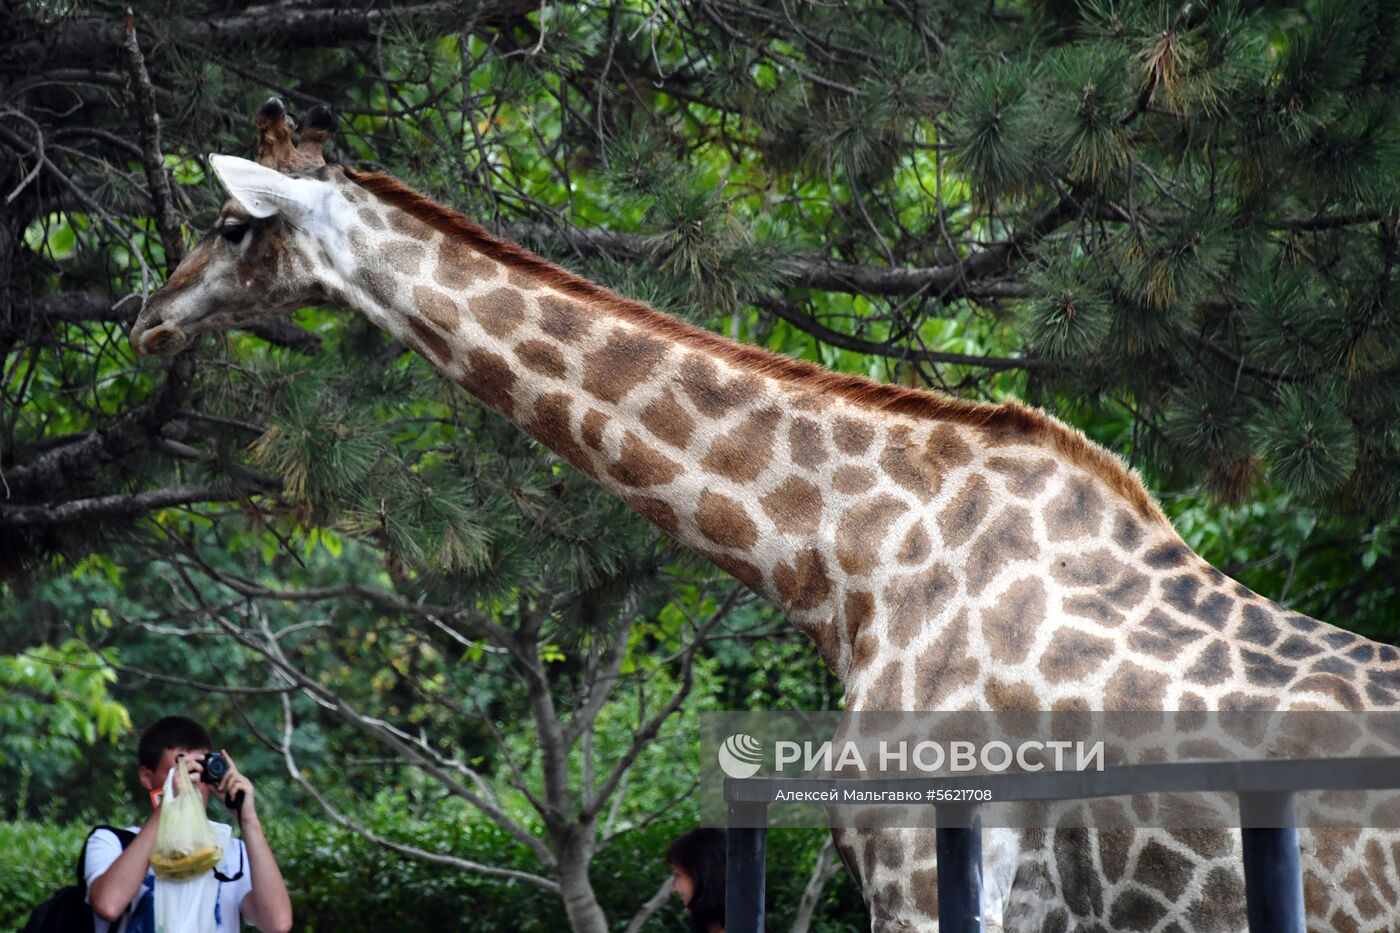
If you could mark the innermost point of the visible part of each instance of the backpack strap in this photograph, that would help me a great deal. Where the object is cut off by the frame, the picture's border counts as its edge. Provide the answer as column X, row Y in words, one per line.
column 124, row 836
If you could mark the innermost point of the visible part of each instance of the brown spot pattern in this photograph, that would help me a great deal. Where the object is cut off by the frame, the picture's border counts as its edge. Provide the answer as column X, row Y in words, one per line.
column 437, row 307
column 948, row 664
column 594, row 423
column 410, row 226
column 432, row 341
column 742, row 454
column 551, row 426
column 1213, row 666
column 563, row 320
column 668, row 421
column 499, row 312
column 887, row 690
column 860, row 612
column 712, row 394
column 906, row 465
column 1076, row 512
column 1127, row 531
column 806, row 444
column 1009, row 626
column 725, row 522
column 1164, row 869
column 656, row 511
column 795, row 506
column 1072, row 656
column 627, row 359
column 916, row 546
column 1221, row 905
column 458, row 265
column 542, row 357
column 1135, row 688
column 851, row 435
column 403, row 256
column 802, row 584
column 1330, row 685
column 861, row 532
column 1095, row 608
column 377, row 282
column 1162, row 636
column 946, row 449
column 490, row 379
column 961, row 518
column 1024, row 477
column 521, row 278
column 738, row 568
column 852, row 480
column 1009, row 538
column 915, row 599
column 640, row 465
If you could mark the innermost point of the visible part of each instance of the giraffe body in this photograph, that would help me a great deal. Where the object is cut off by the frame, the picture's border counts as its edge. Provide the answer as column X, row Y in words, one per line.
column 939, row 554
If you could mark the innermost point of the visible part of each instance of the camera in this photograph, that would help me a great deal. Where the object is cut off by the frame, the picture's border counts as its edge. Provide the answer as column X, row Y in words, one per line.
column 215, row 767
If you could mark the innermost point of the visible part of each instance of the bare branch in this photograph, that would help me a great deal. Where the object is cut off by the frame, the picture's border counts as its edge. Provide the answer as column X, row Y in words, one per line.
column 105, row 508
column 823, row 871
column 649, row 909
column 895, row 351
column 272, row 25
column 648, row 730
column 364, row 832
column 148, row 129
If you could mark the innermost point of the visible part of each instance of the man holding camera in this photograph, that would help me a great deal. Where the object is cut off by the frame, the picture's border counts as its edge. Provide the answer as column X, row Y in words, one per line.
column 120, row 882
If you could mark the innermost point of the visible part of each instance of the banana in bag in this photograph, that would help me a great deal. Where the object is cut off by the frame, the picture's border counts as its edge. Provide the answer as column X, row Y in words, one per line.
column 185, row 846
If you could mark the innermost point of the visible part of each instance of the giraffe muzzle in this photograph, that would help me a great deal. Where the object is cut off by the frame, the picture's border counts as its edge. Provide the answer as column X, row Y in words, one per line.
column 161, row 340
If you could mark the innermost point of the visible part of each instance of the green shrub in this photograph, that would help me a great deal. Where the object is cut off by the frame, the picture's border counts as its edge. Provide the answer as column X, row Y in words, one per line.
column 341, row 882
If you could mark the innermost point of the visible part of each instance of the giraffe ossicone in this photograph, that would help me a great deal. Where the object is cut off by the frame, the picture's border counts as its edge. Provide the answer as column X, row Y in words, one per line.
column 940, row 554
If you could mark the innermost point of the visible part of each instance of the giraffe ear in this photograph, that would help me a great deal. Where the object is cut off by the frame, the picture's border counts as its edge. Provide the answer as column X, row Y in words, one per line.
column 264, row 192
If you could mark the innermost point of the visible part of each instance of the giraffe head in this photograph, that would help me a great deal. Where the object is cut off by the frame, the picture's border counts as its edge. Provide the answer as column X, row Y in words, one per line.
column 257, row 261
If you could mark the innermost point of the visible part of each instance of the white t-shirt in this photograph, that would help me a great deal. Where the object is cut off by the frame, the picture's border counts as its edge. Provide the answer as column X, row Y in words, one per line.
column 104, row 847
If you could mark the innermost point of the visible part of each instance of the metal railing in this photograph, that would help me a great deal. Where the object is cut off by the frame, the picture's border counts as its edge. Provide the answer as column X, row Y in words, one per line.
column 1265, row 790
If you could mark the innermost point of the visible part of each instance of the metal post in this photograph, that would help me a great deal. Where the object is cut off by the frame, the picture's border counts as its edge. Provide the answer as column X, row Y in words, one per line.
column 745, row 868
column 1273, row 874
column 958, row 837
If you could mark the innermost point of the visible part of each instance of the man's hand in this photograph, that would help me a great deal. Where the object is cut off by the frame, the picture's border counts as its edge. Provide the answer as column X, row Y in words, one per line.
column 234, row 783
column 267, row 905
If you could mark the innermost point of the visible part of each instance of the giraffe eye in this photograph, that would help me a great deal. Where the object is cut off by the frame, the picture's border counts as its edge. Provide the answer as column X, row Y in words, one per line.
column 233, row 232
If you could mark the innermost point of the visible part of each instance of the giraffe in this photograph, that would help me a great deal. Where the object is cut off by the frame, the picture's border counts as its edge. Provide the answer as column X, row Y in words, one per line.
column 939, row 553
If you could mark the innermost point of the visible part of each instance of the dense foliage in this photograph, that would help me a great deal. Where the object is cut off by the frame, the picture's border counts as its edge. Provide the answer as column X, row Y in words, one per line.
column 1174, row 224
column 340, row 882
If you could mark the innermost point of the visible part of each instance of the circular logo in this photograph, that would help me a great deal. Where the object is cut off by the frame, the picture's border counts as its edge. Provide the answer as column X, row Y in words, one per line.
column 741, row 756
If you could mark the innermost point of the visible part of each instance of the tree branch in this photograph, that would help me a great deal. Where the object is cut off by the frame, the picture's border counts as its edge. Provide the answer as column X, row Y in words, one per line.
column 970, row 279
column 648, row 730
column 148, row 129
column 103, row 508
column 810, row 325
column 81, row 307
column 364, row 832
column 272, row 25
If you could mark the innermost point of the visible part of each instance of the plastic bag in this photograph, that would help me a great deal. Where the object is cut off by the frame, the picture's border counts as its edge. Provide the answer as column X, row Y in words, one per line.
column 185, row 845
column 188, row 906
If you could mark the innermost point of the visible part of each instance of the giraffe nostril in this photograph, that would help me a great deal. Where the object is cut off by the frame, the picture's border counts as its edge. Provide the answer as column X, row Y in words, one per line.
column 158, row 340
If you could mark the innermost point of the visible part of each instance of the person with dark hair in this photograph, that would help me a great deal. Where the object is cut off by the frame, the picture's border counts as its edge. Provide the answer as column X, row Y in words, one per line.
column 117, row 867
column 697, row 869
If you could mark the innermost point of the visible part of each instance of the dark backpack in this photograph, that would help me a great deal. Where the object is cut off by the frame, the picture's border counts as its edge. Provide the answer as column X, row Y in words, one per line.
column 68, row 910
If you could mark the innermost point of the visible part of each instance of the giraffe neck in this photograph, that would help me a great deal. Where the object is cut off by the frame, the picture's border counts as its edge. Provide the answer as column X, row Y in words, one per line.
column 925, row 545
column 733, row 464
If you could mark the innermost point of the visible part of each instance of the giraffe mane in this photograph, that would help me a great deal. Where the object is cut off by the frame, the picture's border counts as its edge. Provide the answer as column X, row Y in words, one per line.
column 1006, row 418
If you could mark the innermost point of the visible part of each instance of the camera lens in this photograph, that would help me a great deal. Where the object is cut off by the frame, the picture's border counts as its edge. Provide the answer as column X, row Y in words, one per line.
column 215, row 767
